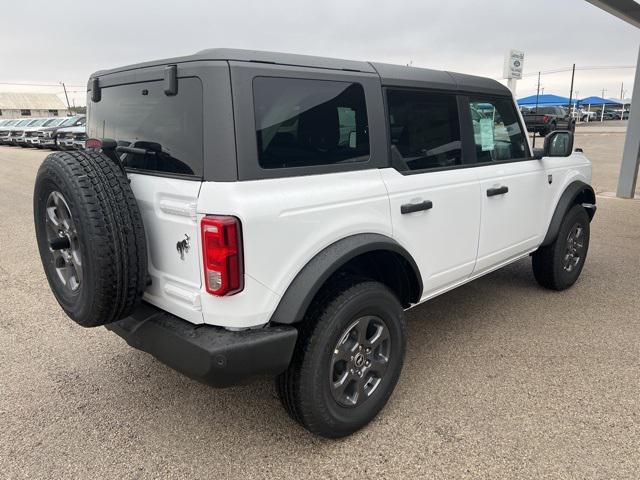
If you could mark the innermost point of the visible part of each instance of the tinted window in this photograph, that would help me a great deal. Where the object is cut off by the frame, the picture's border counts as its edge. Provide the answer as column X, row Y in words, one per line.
column 497, row 132
column 302, row 123
column 425, row 131
column 140, row 115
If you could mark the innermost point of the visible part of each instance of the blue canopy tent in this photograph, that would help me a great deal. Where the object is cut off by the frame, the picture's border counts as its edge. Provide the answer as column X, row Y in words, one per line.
column 545, row 100
column 598, row 101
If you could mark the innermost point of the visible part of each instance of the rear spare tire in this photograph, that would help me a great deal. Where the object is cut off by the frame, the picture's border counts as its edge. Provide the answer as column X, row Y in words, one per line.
column 90, row 236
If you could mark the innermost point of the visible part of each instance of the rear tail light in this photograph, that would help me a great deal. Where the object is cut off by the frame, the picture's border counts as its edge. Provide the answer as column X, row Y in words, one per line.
column 222, row 255
column 545, row 119
column 93, row 143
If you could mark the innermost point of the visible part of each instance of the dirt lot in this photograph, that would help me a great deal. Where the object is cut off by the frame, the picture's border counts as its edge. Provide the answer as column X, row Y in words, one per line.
column 503, row 379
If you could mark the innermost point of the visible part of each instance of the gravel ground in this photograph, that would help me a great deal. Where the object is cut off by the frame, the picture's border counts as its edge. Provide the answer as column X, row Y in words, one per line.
column 502, row 378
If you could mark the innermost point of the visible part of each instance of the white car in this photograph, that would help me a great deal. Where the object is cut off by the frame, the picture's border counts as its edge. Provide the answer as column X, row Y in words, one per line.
column 70, row 138
column 242, row 213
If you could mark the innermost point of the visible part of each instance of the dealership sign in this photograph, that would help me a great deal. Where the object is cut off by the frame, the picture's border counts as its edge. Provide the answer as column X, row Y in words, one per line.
column 513, row 64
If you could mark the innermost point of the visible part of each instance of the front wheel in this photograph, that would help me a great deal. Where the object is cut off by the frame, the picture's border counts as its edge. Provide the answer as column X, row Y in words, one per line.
column 557, row 266
column 348, row 359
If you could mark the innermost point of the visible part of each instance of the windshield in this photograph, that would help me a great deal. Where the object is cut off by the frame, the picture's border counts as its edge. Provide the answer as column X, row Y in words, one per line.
column 70, row 121
column 37, row 123
column 23, row 123
column 140, row 115
column 51, row 122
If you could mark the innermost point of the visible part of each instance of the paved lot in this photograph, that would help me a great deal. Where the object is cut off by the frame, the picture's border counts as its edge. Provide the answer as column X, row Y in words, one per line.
column 503, row 379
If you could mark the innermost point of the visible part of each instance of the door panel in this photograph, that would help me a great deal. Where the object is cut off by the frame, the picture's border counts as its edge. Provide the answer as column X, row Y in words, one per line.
column 443, row 239
column 435, row 207
column 511, row 221
column 513, row 187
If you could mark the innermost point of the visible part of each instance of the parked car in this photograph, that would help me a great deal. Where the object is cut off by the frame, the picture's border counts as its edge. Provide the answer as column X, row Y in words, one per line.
column 46, row 137
column 5, row 130
column 546, row 119
column 33, row 133
column 80, row 138
column 17, row 132
column 609, row 114
column 621, row 114
column 583, row 115
column 69, row 138
column 262, row 213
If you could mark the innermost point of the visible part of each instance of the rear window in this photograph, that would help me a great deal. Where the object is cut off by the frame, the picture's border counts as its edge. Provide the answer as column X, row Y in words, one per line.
column 302, row 123
column 140, row 115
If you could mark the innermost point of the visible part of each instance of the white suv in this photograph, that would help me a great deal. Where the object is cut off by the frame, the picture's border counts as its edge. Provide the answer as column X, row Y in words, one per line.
column 242, row 213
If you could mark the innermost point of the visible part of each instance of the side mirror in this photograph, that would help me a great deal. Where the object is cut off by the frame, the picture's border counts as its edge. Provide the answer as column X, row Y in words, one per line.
column 558, row 143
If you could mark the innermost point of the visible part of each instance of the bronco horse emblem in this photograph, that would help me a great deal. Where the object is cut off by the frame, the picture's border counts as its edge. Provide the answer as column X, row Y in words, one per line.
column 183, row 246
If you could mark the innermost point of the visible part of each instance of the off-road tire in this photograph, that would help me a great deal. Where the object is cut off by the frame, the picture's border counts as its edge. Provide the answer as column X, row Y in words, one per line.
column 305, row 387
column 109, row 237
column 547, row 261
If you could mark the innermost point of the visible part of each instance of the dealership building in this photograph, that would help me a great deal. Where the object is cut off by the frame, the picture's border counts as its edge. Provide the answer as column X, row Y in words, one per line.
column 25, row 105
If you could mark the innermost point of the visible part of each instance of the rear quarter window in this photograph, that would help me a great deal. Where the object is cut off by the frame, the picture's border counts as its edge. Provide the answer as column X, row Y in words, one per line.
column 141, row 115
column 303, row 123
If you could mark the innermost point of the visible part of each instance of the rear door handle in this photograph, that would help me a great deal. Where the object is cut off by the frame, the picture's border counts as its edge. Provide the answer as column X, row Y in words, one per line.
column 416, row 207
column 492, row 192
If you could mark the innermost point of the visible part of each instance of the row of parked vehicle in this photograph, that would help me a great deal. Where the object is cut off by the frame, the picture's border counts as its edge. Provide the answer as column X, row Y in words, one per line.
column 56, row 133
column 546, row 119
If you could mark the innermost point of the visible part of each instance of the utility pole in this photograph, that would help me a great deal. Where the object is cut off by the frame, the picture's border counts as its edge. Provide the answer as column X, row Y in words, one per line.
column 602, row 108
column 622, row 93
column 573, row 74
column 66, row 96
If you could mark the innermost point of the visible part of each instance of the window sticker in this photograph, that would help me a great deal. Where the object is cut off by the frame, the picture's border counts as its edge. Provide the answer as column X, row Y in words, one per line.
column 486, row 134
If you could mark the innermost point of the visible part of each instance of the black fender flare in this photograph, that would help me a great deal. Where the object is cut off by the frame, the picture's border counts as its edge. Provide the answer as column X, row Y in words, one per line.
column 304, row 287
column 577, row 192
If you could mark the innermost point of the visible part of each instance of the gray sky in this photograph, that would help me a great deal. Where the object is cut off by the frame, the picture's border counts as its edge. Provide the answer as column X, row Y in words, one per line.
column 66, row 40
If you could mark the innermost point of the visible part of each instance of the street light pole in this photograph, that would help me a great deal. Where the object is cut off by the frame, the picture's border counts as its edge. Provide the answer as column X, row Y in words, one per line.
column 602, row 108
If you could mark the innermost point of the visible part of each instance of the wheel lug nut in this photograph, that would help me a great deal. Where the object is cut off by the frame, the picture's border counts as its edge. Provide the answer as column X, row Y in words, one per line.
column 351, row 371
column 368, row 350
column 359, row 373
column 367, row 363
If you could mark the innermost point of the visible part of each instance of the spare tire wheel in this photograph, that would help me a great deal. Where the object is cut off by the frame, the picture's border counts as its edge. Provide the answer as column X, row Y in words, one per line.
column 90, row 236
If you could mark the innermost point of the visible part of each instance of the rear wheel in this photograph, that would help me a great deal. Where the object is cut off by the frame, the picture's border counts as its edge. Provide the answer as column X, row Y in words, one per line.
column 348, row 359
column 557, row 266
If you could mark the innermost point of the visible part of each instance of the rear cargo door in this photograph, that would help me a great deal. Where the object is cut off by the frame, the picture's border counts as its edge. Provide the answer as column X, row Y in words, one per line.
column 163, row 155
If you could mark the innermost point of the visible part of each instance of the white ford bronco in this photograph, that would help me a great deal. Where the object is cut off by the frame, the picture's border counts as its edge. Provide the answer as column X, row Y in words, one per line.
column 243, row 213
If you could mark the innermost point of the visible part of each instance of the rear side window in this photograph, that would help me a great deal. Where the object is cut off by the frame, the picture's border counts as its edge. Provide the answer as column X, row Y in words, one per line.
column 140, row 115
column 302, row 123
column 497, row 131
column 425, row 130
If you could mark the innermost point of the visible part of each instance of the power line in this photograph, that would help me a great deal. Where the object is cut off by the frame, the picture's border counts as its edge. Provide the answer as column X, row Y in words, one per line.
column 39, row 84
column 597, row 67
column 568, row 69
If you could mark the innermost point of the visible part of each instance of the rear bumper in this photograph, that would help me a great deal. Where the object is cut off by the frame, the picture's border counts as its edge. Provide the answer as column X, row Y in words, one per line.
column 209, row 354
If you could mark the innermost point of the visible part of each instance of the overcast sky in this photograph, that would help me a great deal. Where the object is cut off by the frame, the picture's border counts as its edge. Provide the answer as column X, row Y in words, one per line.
column 45, row 41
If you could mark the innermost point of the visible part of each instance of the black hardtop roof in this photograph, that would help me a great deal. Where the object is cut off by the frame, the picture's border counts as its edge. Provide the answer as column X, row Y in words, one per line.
column 396, row 75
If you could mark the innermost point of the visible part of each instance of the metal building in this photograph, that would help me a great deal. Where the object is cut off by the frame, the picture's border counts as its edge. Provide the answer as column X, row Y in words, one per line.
column 25, row 105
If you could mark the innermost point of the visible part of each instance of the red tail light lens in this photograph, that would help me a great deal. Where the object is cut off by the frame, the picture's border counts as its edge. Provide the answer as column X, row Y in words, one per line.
column 222, row 255
column 545, row 119
column 93, row 143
